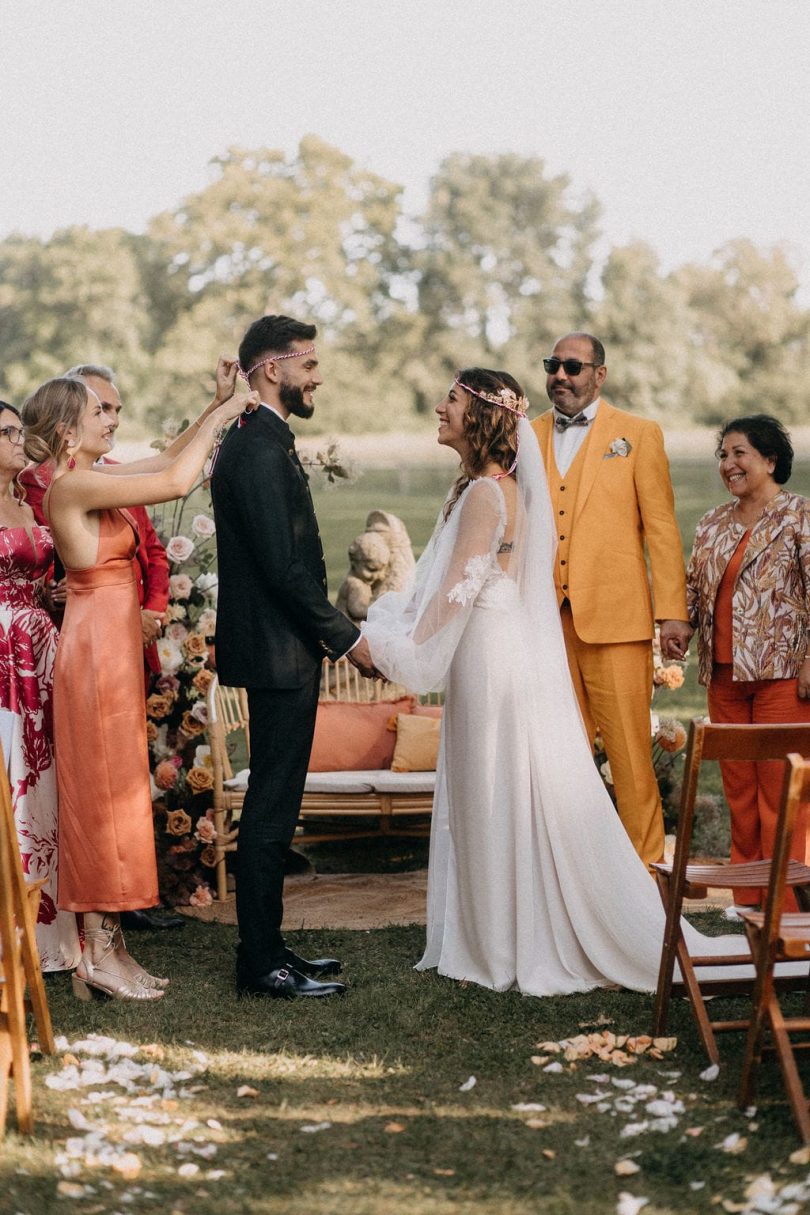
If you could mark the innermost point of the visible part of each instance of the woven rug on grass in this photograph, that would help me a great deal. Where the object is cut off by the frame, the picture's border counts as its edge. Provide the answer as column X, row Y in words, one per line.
column 340, row 900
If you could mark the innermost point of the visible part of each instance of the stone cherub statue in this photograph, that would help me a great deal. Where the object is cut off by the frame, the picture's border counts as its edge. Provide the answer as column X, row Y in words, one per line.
column 380, row 560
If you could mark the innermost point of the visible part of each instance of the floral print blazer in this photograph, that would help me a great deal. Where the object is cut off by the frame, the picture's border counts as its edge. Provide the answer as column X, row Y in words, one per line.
column 771, row 599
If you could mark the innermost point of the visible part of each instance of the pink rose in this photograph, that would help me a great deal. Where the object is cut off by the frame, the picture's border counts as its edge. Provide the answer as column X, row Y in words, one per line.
column 205, row 830
column 180, row 586
column 176, row 631
column 166, row 775
column 201, row 897
column 179, row 548
column 203, row 525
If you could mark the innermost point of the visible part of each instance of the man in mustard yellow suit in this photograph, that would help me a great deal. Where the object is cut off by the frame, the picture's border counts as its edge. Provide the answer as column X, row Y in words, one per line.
column 612, row 496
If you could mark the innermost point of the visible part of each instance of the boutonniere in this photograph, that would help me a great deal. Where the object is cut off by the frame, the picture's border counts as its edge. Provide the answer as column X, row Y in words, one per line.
column 619, row 447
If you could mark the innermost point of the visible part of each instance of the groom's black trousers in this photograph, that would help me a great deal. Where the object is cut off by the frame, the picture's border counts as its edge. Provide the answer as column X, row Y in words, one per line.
column 282, row 724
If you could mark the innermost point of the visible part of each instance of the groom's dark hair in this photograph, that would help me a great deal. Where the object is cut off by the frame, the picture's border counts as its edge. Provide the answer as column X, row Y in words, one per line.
column 272, row 335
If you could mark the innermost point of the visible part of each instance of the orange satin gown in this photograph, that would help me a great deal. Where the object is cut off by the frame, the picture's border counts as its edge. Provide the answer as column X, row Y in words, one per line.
column 106, row 842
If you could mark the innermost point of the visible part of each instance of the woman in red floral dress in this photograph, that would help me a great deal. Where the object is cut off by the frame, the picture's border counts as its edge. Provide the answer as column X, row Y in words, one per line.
column 27, row 651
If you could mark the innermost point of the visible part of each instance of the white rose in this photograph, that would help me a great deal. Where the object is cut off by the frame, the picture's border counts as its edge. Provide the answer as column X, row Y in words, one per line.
column 170, row 655
column 606, row 772
column 180, row 586
column 200, row 712
column 202, row 757
column 207, row 622
column 208, row 584
column 203, row 525
column 179, row 548
column 175, row 611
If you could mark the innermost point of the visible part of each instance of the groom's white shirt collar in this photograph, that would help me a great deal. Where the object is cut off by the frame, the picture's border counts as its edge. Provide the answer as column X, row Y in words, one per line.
column 568, row 442
column 273, row 409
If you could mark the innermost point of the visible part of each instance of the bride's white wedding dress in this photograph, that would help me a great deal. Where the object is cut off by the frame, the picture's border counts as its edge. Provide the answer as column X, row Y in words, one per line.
column 533, row 883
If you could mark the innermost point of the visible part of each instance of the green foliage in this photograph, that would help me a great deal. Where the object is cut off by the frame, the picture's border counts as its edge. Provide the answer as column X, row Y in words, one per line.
column 500, row 263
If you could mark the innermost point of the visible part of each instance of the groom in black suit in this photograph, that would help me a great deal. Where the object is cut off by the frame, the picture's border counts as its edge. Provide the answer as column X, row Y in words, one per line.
column 275, row 625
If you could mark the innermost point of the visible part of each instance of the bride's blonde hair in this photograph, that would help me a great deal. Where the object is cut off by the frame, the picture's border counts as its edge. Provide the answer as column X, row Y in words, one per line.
column 490, row 430
column 54, row 408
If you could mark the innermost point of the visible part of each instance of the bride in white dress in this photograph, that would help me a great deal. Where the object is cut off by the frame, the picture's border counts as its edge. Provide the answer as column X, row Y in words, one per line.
column 533, row 883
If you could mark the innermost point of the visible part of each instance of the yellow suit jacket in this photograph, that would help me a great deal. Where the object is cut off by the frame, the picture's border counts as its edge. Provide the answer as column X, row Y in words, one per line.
column 624, row 501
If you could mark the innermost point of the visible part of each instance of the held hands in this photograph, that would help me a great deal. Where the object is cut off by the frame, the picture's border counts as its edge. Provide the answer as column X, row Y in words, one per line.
column 360, row 656
column 54, row 595
column 674, row 636
column 151, row 625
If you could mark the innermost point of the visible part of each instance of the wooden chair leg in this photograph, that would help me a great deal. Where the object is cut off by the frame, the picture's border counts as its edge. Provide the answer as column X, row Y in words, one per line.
column 5, row 1071
column 666, row 972
column 695, row 996
column 790, row 1073
column 37, row 999
column 752, row 1058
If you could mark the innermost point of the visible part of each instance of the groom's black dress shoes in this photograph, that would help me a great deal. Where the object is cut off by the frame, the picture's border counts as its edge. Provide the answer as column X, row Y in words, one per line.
column 318, row 968
column 149, row 920
column 284, row 983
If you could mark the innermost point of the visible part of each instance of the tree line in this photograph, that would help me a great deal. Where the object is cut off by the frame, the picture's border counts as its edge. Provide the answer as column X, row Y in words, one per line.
column 499, row 264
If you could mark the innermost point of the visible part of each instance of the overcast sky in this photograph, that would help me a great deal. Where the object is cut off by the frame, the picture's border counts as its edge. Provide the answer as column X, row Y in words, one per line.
column 687, row 118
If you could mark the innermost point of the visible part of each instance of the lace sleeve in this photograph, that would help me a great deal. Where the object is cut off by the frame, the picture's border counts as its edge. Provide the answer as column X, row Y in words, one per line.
column 414, row 634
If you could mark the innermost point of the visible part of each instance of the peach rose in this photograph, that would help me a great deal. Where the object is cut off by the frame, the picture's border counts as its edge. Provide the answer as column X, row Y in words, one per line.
column 208, row 856
column 190, row 726
column 202, row 897
column 165, row 774
column 159, row 704
column 200, row 780
column 175, row 611
column 178, row 823
column 205, row 831
column 196, row 646
column 176, row 631
column 202, row 681
column 672, row 677
column 151, row 732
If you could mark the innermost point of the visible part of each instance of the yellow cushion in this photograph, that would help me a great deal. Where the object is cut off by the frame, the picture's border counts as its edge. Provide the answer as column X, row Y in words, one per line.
column 417, row 747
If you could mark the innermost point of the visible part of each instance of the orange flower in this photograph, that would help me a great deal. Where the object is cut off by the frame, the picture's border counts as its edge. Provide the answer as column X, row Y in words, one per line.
column 151, row 732
column 159, row 704
column 671, row 735
column 178, row 823
column 195, row 646
column 202, row 681
column 200, row 779
column 672, row 677
column 190, row 726
column 165, row 775
column 208, row 856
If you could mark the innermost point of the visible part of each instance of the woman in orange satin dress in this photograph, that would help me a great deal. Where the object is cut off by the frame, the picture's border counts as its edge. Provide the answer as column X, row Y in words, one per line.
column 107, row 854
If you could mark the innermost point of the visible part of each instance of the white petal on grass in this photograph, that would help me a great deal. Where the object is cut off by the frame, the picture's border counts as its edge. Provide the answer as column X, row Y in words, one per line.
column 529, row 1107
column 311, row 1128
column 629, row 1204
column 554, row 1067
column 711, row 1073
column 467, row 1085
column 188, row 1170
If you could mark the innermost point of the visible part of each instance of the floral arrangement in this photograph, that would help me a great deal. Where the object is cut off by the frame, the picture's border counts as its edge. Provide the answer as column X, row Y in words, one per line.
column 177, row 717
column 667, row 734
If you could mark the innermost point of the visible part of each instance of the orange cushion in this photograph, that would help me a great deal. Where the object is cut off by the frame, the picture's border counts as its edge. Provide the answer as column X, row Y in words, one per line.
column 355, row 737
column 417, row 748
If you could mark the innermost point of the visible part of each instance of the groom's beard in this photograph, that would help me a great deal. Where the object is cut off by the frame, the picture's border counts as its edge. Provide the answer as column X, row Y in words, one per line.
column 292, row 399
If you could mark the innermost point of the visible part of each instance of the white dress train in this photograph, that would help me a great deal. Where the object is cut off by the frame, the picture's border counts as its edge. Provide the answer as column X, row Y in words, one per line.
column 533, row 883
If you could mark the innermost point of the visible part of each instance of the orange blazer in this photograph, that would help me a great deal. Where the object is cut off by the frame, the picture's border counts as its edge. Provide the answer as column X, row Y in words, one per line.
column 624, row 503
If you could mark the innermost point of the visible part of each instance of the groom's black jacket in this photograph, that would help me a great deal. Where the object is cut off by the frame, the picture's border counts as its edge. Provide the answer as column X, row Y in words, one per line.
column 275, row 623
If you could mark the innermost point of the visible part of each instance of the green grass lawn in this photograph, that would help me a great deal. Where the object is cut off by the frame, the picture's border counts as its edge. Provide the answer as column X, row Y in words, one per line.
column 356, row 1105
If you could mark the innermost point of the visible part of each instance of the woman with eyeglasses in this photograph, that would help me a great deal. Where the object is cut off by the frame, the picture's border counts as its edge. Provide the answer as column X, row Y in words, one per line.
column 748, row 584
column 107, row 853
column 27, row 654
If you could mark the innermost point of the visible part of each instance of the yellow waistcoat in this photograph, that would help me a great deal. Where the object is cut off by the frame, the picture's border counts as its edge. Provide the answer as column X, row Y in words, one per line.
column 623, row 501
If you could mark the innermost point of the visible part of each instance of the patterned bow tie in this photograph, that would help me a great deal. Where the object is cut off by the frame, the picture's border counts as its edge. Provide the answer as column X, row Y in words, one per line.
column 562, row 423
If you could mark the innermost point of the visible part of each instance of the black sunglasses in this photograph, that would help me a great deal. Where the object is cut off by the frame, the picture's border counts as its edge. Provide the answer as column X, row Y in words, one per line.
column 572, row 366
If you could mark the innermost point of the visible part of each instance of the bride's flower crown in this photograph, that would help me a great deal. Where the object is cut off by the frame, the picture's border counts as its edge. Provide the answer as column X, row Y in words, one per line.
column 506, row 398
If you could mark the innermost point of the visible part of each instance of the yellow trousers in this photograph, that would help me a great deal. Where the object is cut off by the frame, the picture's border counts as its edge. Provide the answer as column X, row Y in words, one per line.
column 613, row 684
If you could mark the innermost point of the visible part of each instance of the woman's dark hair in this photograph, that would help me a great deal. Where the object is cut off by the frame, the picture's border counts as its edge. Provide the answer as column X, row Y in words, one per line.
column 272, row 335
column 490, row 430
column 11, row 408
column 768, row 436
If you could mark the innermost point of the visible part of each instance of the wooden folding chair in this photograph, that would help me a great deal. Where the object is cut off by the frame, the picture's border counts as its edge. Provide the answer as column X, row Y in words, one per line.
column 773, row 938
column 19, row 967
column 227, row 718
column 680, row 880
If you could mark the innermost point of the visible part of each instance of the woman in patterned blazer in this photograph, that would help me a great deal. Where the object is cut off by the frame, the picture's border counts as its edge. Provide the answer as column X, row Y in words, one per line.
column 748, row 586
